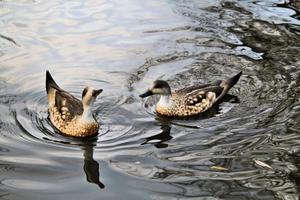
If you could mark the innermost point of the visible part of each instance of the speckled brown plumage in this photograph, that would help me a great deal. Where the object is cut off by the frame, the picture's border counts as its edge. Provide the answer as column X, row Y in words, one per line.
column 66, row 112
column 191, row 100
column 188, row 105
column 72, row 126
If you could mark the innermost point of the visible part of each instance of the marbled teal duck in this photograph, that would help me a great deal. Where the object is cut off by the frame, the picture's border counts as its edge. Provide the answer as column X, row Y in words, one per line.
column 70, row 115
column 189, row 101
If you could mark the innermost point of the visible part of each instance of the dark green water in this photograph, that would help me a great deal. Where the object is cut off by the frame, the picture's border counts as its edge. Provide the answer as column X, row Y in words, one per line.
column 122, row 46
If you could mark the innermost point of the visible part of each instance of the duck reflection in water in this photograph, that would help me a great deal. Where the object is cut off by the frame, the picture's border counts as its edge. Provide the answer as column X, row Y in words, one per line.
column 91, row 167
column 159, row 139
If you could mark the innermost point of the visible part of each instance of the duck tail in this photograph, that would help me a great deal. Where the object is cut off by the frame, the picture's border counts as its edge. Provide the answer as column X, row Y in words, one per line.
column 50, row 83
column 233, row 80
column 228, row 84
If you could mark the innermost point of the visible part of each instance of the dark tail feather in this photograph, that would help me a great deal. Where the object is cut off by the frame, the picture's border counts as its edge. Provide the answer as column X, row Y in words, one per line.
column 50, row 82
column 227, row 84
column 232, row 81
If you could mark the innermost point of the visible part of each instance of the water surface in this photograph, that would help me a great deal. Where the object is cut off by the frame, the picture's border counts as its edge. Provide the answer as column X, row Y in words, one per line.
column 121, row 47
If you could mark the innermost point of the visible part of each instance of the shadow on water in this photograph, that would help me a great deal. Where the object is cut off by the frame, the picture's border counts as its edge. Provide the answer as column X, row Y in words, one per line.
column 159, row 140
column 91, row 167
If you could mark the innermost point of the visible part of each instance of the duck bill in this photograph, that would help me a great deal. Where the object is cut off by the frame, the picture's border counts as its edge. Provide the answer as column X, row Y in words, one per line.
column 97, row 92
column 146, row 94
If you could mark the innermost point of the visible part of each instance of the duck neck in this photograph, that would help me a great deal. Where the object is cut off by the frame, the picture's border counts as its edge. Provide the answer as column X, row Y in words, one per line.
column 165, row 101
column 87, row 114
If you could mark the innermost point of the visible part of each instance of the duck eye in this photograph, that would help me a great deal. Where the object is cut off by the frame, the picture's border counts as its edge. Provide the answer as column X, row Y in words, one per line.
column 84, row 92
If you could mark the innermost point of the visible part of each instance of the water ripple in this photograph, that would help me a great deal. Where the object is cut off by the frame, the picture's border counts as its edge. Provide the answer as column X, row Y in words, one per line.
column 121, row 47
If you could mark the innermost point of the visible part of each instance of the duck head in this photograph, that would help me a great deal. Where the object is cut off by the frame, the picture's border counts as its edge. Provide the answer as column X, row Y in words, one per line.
column 159, row 87
column 89, row 96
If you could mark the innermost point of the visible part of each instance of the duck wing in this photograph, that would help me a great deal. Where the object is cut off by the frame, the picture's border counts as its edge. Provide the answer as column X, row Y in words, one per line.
column 213, row 91
column 67, row 104
column 196, row 87
column 209, row 94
